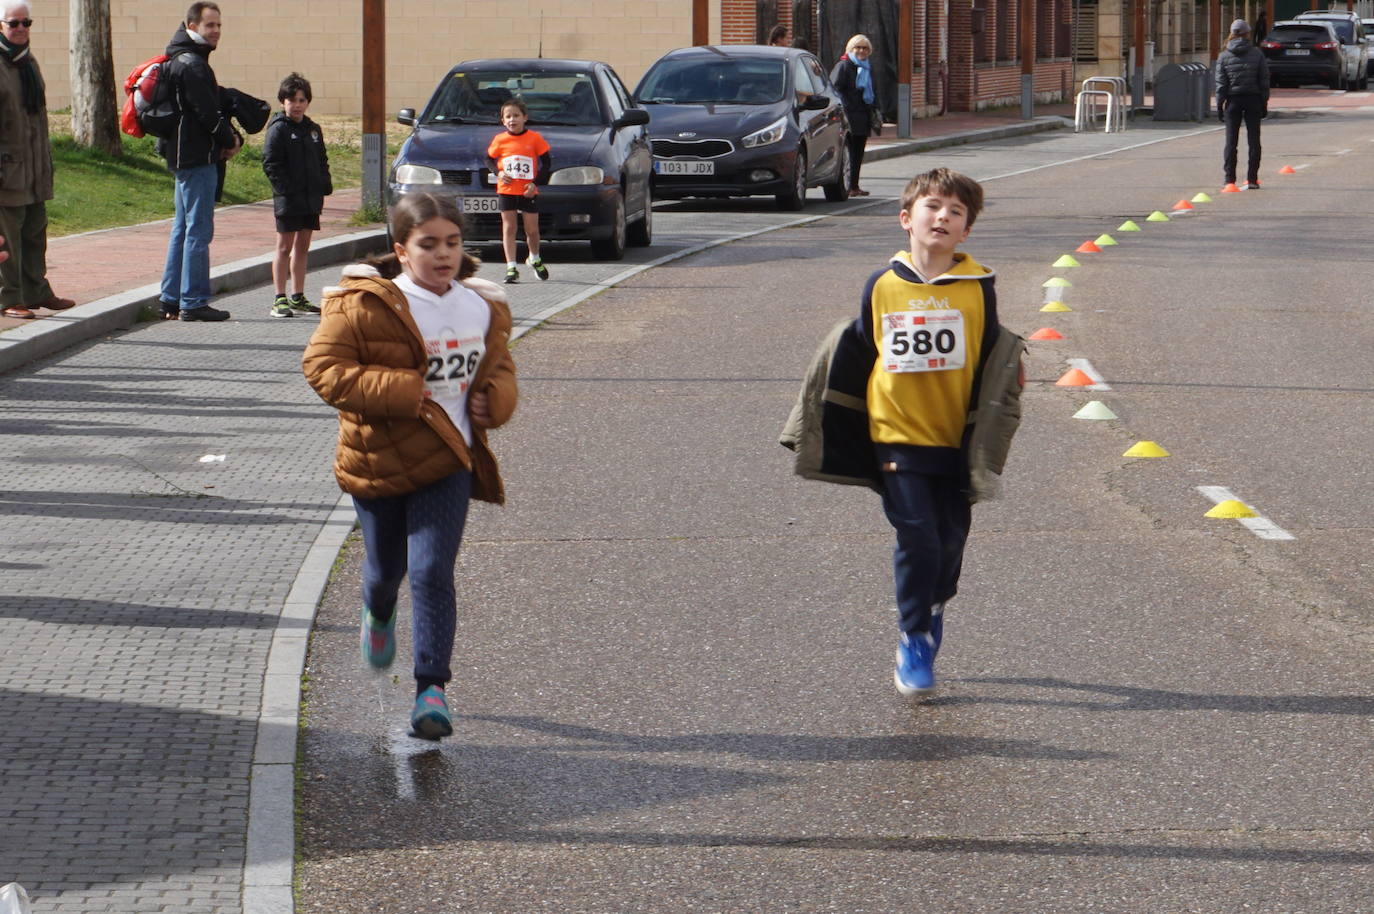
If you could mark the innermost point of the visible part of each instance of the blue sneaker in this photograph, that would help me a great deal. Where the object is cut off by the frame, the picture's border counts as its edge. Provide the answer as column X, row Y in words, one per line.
column 915, row 672
column 429, row 719
column 378, row 639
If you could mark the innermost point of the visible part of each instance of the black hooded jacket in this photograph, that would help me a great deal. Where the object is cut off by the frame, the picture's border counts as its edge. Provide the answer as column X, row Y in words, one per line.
column 296, row 164
column 1241, row 70
column 203, row 130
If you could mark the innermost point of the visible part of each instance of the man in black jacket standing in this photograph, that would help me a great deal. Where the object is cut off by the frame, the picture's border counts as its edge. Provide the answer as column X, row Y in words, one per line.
column 202, row 141
column 1242, row 94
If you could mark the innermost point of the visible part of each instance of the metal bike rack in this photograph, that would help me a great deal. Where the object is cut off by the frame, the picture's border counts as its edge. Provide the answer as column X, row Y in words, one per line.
column 1114, row 90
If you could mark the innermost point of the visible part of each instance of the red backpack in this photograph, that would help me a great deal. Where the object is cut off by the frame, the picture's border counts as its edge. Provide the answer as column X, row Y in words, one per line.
column 150, row 102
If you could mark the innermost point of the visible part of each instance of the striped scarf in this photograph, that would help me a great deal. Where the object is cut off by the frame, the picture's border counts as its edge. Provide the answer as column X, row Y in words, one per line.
column 18, row 56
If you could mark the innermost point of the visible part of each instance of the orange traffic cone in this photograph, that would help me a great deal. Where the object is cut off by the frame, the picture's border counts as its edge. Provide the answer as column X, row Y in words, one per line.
column 1182, row 204
column 1046, row 333
column 1288, row 170
column 1087, row 247
column 1075, row 377
column 1230, row 189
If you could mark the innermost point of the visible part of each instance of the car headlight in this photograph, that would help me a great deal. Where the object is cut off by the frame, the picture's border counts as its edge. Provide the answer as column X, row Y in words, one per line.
column 770, row 134
column 417, row 174
column 578, row 174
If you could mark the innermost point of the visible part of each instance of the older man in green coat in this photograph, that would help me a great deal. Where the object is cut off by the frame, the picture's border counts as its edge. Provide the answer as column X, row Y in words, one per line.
column 25, row 171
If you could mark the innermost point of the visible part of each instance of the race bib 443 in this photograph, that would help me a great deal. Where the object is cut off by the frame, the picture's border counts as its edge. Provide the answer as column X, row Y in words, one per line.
column 518, row 168
column 923, row 341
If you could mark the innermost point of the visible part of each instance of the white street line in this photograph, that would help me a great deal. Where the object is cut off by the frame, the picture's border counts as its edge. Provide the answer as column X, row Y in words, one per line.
column 1083, row 365
column 1261, row 526
column 1342, row 152
column 1098, row 155
column 1303, row 165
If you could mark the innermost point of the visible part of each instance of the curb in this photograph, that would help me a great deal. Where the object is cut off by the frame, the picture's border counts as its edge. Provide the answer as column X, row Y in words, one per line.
column 1017, row 128
column 37, row 339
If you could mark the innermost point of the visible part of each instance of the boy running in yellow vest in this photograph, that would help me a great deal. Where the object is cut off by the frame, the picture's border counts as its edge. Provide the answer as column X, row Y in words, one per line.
column 929, row 317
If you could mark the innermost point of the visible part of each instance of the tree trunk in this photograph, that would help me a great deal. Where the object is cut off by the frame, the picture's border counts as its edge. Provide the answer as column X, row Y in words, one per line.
column 95, row 107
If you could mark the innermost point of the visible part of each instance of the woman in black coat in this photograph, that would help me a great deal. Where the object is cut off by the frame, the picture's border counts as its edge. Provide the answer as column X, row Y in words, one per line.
column 853, row 79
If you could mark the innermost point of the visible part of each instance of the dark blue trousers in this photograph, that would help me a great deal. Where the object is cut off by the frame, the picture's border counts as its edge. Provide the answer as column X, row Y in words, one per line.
column 931, row 515
column 419, row 532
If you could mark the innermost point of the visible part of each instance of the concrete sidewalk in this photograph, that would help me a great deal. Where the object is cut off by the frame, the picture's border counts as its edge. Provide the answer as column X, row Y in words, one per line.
column 169, row 522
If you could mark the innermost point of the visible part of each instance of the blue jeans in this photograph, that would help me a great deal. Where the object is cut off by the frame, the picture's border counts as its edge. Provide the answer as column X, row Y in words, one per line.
column 931, row 515
column 186, row 274
column 420, row 532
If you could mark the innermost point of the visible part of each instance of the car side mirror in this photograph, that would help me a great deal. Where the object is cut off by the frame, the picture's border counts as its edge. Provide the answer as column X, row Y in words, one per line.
column 815, row 103
column 633, row 117
column 406, row 116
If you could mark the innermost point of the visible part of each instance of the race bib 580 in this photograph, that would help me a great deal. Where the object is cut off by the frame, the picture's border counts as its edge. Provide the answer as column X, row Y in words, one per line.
column 923, row 341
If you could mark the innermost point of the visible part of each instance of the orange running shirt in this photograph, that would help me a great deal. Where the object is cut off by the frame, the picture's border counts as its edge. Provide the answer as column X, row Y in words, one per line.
column 517, row 154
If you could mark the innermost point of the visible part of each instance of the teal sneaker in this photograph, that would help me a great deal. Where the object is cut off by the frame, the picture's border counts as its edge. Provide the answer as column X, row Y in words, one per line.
column 429, row 718
column 378, row 640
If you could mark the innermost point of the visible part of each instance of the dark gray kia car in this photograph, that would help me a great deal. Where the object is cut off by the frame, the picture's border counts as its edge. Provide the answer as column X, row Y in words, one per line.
column 745, row 120
column 598, row 189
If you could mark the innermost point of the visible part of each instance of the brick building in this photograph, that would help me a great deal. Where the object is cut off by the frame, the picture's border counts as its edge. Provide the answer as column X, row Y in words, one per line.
column 965, row 53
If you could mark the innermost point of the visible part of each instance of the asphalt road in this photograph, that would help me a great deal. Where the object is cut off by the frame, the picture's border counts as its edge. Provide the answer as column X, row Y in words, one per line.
column 673, row 684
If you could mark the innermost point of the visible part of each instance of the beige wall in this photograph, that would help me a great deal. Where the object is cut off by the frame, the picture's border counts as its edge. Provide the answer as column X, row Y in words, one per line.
column 322, row 39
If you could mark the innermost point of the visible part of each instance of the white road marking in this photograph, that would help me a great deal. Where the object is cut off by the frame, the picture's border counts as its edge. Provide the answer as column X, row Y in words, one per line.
column 1303, row 165
column 1083, row 365
column 1261, row 526
column 1098, row 155
column 1341, row 152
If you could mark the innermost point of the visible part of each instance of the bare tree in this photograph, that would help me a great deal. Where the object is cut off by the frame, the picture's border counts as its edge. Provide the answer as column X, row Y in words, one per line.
column 95, row 107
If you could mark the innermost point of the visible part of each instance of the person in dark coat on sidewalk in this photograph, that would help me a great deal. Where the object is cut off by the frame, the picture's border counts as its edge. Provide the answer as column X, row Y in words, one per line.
column 203, row 140
column 25, row 170
column 294, row 158
column 853, row 79
column 1242, row 78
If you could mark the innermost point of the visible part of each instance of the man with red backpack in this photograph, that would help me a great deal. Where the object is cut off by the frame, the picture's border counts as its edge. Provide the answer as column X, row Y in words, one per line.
column 196, row 150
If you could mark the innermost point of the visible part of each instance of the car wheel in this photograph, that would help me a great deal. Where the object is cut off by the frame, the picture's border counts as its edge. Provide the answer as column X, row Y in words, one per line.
column 795, row 198
column 838, row 190
column 613, row 248
column 641, row 233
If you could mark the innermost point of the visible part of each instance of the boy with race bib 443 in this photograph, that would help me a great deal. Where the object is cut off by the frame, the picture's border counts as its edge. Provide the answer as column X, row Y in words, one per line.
column 519, row 158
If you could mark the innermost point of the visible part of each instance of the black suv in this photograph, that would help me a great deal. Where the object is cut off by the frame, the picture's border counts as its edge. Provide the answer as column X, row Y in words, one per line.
column 1304, row 52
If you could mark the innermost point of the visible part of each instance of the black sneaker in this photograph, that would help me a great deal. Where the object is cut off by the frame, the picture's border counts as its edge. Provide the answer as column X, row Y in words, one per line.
column 512, row 275
column 539, row 269
column 204, row 313
column 1252, row 185
column 280, row 308
column 170, row 310
column 303, row 305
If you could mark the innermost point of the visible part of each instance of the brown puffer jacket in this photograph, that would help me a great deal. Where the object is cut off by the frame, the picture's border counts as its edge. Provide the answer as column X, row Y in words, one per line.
column 367, row 359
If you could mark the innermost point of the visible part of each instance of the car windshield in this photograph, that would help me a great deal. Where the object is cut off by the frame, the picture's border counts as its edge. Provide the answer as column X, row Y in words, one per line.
column 554, row 98
column 1345, row 29
column 1311, row 33
column 730, row 82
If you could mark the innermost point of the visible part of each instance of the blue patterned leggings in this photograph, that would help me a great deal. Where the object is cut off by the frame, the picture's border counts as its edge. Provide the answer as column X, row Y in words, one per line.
column 420, row 532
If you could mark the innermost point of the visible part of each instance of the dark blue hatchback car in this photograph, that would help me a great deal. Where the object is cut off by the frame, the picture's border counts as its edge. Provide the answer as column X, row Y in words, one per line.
column 745, row 120
column 599, row 187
